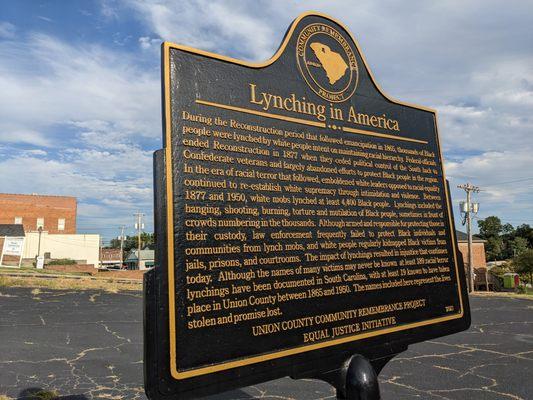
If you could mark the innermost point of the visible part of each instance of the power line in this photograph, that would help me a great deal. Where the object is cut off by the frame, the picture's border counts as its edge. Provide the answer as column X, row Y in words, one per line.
column 507, row 182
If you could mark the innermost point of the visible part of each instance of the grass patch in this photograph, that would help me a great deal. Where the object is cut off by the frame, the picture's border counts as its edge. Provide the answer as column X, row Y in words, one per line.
column 503, row 294
column 4, row 397
column 62, row 261
column 66, row 283
column 32, row 270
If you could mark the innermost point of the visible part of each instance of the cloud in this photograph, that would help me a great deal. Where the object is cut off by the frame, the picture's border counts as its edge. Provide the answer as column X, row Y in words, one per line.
column 52, row 82
column 18, row 134
column 45, row 18
column 146, row 42
column 87, row 113
column 466, row 60
column 7, row 30
column 115, row 184
column 209, row 25
column 108, row 9
column 92, row 113
column 505, row 180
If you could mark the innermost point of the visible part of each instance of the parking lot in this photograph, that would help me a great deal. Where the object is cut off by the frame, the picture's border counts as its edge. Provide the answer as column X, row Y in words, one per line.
column 88, row 344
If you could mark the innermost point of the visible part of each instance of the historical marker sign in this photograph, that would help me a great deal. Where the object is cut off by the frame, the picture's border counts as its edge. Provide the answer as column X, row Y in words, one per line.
column 301, row 215
column 13, row 246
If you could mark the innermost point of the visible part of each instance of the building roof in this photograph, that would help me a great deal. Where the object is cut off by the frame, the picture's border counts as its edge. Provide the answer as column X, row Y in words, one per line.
column 145, row 255
column 36, row 195
column 12, row 230
column 463, row 237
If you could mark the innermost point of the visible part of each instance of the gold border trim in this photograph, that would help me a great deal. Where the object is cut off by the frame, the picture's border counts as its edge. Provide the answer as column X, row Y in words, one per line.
column 262, row 114
column 170, row 213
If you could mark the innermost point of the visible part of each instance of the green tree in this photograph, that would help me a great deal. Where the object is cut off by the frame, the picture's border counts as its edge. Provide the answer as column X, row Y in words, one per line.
column 147, row 240
column 526, row 232
column 523, row 264
column 507, row 237
column 490, row 227
column 502, row 240
column 494, row 248
column 130, row 242
column 508, row 229
column 518, row 245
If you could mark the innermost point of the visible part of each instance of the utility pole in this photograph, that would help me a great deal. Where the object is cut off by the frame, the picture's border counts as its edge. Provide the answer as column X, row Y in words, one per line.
column 101, row 251
column 139, row 225
column 468, row 208
column 122, row 246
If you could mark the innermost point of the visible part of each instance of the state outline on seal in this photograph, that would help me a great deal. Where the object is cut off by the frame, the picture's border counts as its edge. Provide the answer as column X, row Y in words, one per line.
column 330, row 61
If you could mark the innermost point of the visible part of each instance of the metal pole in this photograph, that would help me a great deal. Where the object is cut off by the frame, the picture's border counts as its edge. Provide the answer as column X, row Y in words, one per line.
column 121, row 246
column 486, row 278
column 101, row 251
column 469, row 232
column 39, row 245
column 139, row 227
column 358, row 380
column 139, row 243
column 3, row 249
column 469, row 188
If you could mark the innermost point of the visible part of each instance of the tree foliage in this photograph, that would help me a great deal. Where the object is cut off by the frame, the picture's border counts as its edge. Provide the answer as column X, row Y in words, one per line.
column 503, row 241
column 526, row 232
column 130, row 242
column 490, row 227
column 519, row 245
column 523, row 263
column 494, row 248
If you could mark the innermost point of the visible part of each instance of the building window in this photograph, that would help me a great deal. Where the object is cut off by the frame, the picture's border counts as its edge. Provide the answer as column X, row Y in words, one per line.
column 61, row 224
column 18, row 220
column 40, row 223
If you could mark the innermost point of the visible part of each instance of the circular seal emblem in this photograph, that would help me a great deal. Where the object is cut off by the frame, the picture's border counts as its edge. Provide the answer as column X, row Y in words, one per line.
column 327, row 62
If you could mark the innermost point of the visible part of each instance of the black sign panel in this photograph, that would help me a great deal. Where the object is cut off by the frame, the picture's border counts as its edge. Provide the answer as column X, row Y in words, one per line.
column 301, row 214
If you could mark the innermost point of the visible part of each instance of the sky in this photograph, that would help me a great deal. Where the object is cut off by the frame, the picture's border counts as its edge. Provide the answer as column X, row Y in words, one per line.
column 80, row 96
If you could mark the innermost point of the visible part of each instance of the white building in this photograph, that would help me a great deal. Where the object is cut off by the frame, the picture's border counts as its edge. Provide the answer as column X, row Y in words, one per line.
column 85, row 249
column 147, row 260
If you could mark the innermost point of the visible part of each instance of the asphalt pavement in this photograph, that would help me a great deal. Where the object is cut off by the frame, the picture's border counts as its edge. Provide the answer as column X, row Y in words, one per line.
column 88, row 344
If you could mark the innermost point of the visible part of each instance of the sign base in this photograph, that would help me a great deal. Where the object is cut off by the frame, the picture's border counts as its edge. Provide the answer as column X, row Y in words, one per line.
column 360, row 380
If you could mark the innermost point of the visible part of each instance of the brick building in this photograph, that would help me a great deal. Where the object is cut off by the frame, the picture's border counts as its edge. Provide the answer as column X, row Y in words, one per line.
column 478, row 249
column 110, row 257
column 479, row 261
column 55, row 214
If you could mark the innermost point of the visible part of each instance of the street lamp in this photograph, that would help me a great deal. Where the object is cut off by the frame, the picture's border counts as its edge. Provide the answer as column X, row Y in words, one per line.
column 39, row 262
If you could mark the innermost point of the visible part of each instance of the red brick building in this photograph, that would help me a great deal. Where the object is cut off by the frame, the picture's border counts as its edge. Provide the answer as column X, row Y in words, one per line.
column 478, row 249
column 479, row 261
column 110, row 257
column 55, row 214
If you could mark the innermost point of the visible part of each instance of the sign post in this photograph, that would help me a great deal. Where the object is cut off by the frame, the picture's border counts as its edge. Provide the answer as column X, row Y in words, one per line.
column 303, row 221
column 13, row 246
